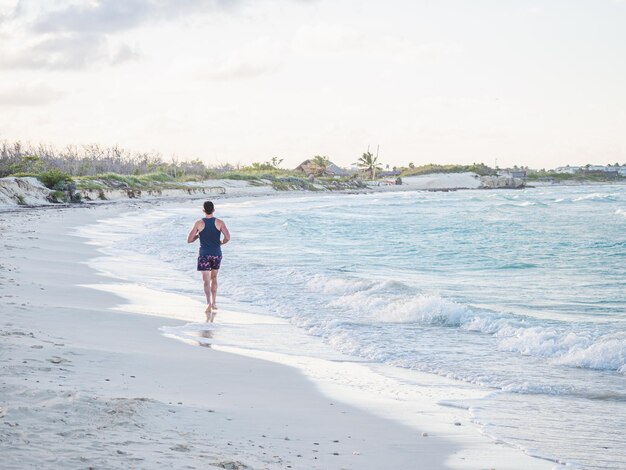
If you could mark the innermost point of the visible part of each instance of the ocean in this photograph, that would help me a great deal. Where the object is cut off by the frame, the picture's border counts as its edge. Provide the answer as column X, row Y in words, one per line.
column 521, row 294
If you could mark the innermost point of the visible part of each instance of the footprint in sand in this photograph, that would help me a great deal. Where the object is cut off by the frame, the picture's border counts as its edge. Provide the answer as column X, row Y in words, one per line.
column 57, row 360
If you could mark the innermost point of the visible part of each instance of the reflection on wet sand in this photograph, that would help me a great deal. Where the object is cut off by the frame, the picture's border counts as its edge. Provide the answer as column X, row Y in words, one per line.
column 208, row 334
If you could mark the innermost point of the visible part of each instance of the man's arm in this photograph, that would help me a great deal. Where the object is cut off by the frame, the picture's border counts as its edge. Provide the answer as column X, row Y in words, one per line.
column 222, row 228
column 193, row 233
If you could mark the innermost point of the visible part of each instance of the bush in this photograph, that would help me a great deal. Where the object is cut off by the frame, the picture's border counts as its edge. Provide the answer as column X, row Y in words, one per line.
column 54, row 179
column 158, row 176
column 57, row 196
column 478, row 168
column 237, row 175
column 124, row 181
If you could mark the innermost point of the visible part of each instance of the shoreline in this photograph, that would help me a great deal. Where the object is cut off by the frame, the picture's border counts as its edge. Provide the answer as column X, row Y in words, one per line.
column 29, row 192
column 247, row 190
column 78, row 343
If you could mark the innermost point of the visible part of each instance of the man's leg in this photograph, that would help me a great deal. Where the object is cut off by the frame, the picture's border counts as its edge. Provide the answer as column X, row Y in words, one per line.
column 206, row 284
column 214, row 287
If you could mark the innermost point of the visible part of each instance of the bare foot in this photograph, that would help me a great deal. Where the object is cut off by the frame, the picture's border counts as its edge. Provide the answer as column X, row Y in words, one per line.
column 207, row 312
column 214, row 307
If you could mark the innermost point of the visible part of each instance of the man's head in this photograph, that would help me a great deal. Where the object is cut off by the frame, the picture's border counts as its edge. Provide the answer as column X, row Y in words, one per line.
column 209, row 208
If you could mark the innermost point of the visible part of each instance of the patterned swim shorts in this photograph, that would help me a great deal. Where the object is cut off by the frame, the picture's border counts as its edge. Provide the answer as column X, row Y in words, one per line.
column 208, row 263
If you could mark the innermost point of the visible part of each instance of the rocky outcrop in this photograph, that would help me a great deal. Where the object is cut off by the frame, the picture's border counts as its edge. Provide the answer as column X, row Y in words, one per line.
column 16, row 191
column 129, row 193
column 501, row 182
column 442, row 181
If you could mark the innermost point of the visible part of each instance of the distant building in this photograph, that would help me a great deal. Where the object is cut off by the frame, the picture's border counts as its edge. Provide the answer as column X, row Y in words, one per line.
column 388, row 173
column 607, row 170
column 513, row 173
column 331, row 169
column 570, row 170
column 599, row 168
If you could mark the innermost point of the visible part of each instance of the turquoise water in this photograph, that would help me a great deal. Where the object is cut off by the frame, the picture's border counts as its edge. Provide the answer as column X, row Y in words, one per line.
column 523, row 292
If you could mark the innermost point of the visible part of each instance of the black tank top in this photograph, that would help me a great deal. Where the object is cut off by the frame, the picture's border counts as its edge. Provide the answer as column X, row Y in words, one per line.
column 210, row 239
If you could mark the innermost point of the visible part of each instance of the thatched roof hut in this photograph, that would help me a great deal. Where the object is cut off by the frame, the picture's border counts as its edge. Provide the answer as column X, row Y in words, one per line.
column 307, row 168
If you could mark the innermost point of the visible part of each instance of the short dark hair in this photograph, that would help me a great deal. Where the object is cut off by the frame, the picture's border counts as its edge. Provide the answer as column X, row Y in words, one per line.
column 209, row 208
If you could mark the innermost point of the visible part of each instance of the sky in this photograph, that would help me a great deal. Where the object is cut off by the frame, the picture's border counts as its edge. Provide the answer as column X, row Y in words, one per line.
column 532, row 83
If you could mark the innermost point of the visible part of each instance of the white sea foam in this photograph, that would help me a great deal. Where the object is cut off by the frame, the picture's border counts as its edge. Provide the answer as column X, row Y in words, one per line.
column 425, row 309
column 336, row 285
column 595, row 197
column 519, row 299
column 606, row 352
column 559, row 343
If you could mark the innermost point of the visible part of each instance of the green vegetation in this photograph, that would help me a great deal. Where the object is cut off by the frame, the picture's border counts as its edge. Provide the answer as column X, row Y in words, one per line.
column 478, row 168
column 25, row 164
column 54, row 179
column 271, row 165
column 583, row 176
column 122, row 181
column 369, row 163
column 57, row 196
column 291, row 183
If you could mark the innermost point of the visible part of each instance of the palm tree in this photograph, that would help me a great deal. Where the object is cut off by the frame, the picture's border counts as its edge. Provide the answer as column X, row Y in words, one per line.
column 369, row 163
column 318, row 165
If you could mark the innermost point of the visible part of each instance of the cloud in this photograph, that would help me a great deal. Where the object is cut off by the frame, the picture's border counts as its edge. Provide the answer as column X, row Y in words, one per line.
column 254, row 59
column 532, row 11
column 125, row 53
column 325, row 40
column 66, row 51
column 242, row 70
column 76, row 34
column 110, row 16
column 32, row 95
column 104, row 16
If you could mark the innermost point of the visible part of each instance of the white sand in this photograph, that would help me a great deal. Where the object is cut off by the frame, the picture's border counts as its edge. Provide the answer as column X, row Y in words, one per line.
column 16, row 191
column 88, row 382
column 442, row 181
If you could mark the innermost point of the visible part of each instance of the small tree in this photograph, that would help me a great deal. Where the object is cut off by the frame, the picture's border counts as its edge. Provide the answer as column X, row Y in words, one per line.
column 369, row 163
column 275, row 162
column 54, row 179
column 265, row 166
column 318, row 165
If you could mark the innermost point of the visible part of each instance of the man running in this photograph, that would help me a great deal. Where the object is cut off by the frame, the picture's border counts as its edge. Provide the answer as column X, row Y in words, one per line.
column 209, row 230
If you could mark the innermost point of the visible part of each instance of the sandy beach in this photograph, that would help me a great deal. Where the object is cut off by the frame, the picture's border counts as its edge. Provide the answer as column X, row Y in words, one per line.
column 88, row 382
column 417, row 211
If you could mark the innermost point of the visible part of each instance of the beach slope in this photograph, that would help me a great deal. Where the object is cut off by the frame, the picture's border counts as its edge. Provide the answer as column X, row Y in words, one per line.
column 86, row 385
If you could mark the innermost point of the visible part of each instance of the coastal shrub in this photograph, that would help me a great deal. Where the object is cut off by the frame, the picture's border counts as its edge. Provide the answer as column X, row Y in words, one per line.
column 57, row 196
column 88, row 183
column 478, row 168
column 190, row 178
column 293, row 183
column 147, row 181
column 29, row 164
column 281, row 185
column 24, row 175
column 156, row 177
column 237, row 175
column 54, row 179
column 580, row 176
column 249, row 173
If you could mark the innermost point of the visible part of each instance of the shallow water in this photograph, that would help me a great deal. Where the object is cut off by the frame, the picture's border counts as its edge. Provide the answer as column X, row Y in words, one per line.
column 523, row 292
